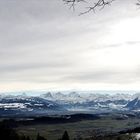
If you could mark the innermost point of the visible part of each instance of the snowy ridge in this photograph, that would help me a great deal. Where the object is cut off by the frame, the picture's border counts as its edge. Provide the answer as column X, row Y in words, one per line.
column 74, row 96
column 72, row 101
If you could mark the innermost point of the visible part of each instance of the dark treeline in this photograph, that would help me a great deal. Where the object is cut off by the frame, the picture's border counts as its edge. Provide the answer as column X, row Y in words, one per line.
column 58, row 119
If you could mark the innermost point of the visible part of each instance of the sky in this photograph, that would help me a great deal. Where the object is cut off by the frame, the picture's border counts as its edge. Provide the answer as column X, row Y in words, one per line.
column 46, row 45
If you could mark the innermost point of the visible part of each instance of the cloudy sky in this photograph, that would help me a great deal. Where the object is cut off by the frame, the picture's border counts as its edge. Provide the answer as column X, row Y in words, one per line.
column 44, row 45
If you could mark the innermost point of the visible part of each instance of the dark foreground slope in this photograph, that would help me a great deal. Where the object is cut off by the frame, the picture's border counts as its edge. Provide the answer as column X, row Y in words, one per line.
column 9, row 131
column 78, row 126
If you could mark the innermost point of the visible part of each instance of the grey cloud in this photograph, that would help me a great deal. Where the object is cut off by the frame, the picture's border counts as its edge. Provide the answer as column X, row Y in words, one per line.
column 115, row 45
column 30, row 66
column 133, row 42
column 104, row 76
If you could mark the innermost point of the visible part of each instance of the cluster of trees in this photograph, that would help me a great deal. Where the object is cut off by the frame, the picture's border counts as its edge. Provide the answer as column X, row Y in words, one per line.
column 65, row 136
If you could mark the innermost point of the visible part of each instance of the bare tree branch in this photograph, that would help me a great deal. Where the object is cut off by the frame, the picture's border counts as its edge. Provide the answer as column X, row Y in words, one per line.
column 72, row 3
column 92, row 5
column 97, row 4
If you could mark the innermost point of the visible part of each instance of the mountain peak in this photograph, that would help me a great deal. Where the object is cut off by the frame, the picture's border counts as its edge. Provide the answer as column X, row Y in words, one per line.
column 47, row 95
column 134, row 104
column 73, row 94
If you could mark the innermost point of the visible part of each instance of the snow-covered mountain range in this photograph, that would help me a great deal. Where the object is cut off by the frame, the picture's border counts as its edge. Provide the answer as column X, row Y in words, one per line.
column 68, row 102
